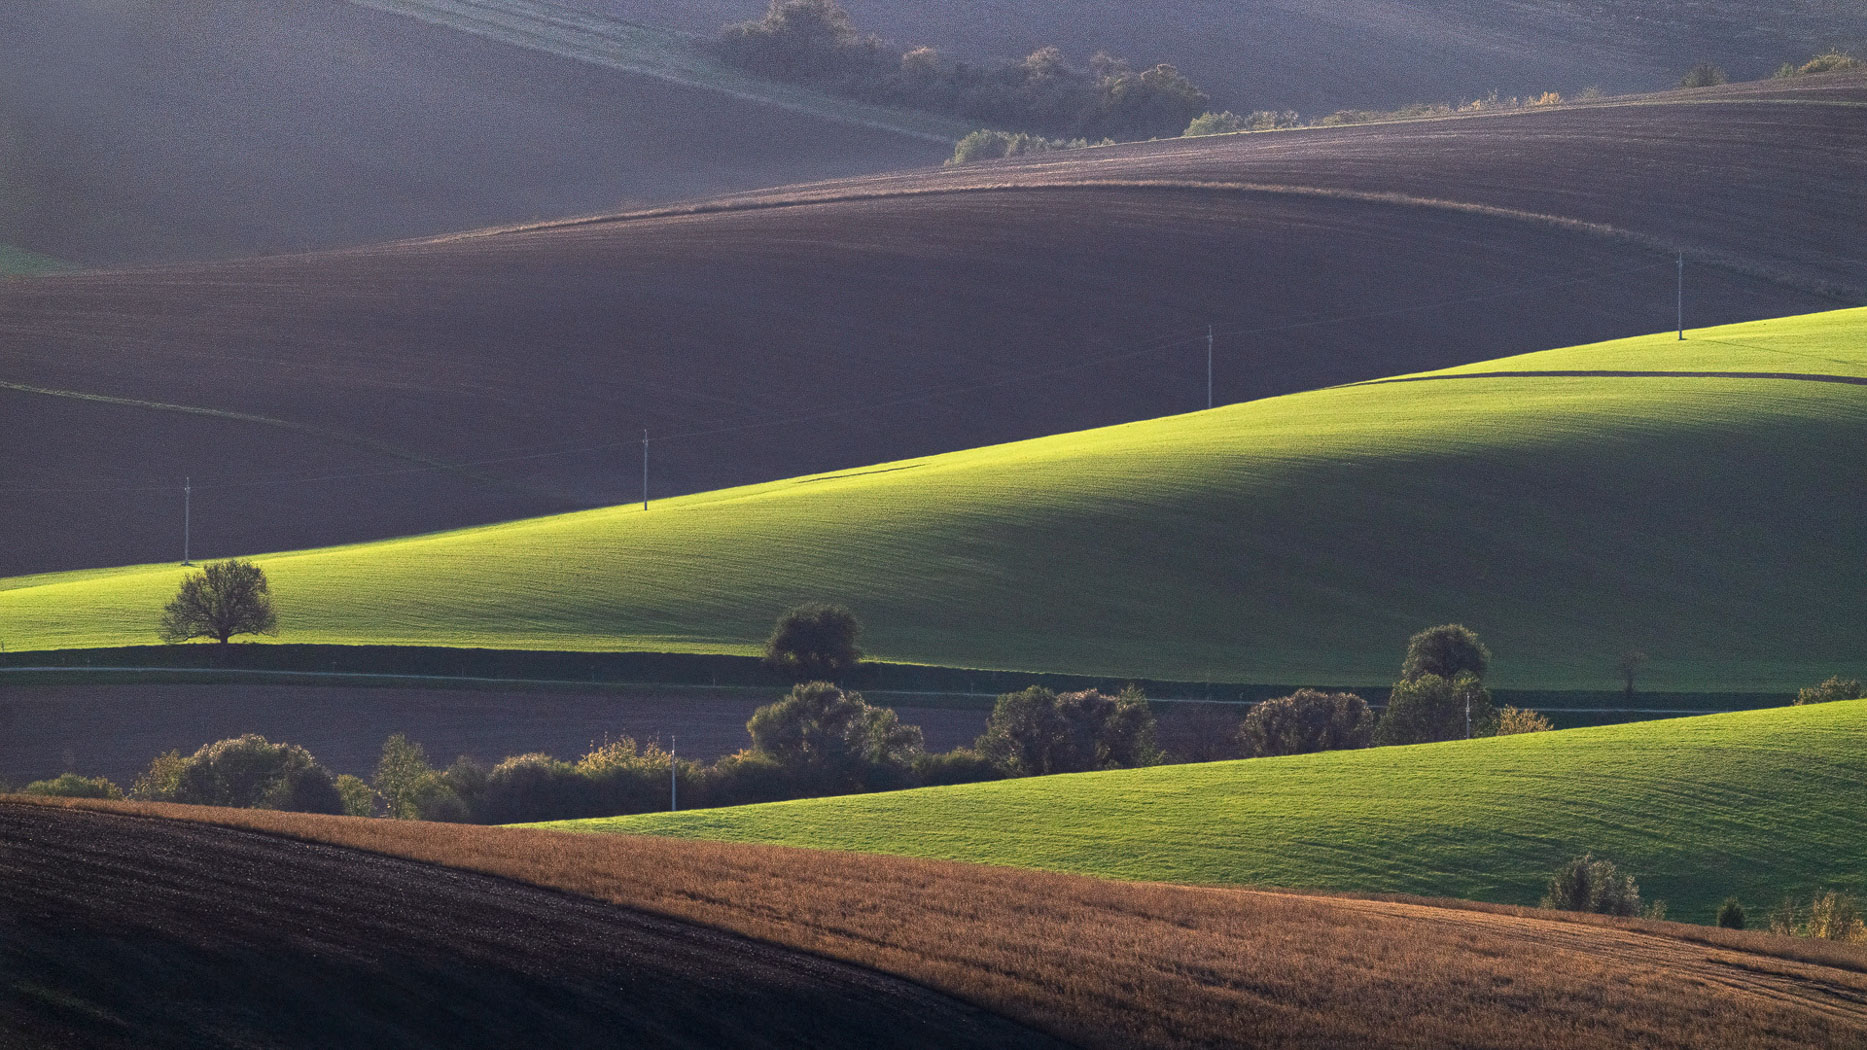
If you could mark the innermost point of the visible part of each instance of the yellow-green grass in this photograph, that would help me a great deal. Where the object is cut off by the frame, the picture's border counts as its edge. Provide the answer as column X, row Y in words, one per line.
column 1712, row 522
column 1760, row 804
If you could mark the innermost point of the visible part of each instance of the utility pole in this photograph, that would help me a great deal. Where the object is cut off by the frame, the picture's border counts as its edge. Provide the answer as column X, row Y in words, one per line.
column 1468, row 715
column 674, row 785
column 1208, row 366
column 187, row 515
column 1682, row 297
column 644, row 468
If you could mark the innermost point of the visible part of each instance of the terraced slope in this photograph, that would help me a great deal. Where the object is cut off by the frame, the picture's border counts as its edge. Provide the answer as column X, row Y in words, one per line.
column 374, row 393
column 1760, row 804
column 1697, row 500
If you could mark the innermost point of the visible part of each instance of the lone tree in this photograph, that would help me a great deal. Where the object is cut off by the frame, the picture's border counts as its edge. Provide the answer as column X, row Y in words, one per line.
column 1627, row 666
column 833, row 740
column 1449, row 650
column 224, row 599
column 814, row 643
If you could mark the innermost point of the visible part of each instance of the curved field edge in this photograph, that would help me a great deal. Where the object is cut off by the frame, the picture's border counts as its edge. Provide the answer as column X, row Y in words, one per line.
column 1757, row 804
column 1299, row 538
column 1117, row 964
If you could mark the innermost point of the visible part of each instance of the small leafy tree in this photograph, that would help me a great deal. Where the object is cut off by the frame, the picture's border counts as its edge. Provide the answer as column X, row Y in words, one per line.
column 1448, row 651
column 1836, row 688
column 1703, row 75
column 410, row 788
column 358, row 799
column 1430, row 708
column 814, row 643
column 1305, row 721
column 223, row 599
column 1590, row 885
column 833, row 740
column 1514, row 720
column 1037, row 732
column 1731, row 914
column 1627, row 665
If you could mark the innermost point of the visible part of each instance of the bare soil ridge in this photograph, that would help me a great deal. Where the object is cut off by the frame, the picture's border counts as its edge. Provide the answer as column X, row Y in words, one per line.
column 131, row 932
column 1113, row 964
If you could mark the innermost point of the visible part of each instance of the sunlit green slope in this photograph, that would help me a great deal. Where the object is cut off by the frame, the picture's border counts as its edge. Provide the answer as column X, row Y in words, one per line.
column 1713, row 522
column 1761, row 804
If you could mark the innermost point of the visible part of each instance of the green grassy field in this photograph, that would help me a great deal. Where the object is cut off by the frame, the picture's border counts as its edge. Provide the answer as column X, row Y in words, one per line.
column 1760, row 804
column 1712, row 522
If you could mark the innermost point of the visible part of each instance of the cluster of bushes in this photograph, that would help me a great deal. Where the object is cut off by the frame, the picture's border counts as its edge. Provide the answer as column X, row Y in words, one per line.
column 1590, row 884
column 1228, row 122
column 815, row 42
column 1831, row 62
column 986, row 144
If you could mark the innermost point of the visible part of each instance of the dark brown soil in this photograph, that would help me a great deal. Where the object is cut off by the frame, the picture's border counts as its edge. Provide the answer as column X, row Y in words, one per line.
column 128, row 932
column 828, row 327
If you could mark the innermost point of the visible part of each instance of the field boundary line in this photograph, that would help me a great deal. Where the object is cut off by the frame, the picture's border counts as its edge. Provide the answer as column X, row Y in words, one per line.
column 1612, row 373
column 1850, row 295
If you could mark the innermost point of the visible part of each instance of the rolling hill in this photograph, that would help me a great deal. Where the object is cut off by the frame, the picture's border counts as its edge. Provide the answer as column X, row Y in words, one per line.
column 1096, row 962
column 1758, row 804
column 147, row 132
column 1320, row 56
column 377, row 392
column 1697, row 500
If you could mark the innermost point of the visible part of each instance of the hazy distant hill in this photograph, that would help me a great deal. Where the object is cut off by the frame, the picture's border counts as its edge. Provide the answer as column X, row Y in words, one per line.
column 151, row 130
column 1319, row 55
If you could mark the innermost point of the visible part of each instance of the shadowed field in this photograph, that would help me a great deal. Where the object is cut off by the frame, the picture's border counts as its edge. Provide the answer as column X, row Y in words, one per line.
column 1318, row 56
column 1759, row 804
column 1566, row 517
column 120, row 932
column 142, row 132
column 1114, row 964
column 392, row 390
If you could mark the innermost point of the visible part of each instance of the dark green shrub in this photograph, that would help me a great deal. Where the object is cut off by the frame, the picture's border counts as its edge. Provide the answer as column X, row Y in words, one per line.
column 1037, row 732
column 814, row 643
column 401, row 772
column 534, row 787
column 467, row 777
column 1590, row 885
column 1835, row 688
column 359, row 800
column 1703, row 75
column 959, row 766
column 252, row 772
column 1449, row 650
column 1731, row 914
column 159, row 781
column 831, row 740
column 745, row 777
column 1429, row 709
column 1307, row 720
column 71, row 785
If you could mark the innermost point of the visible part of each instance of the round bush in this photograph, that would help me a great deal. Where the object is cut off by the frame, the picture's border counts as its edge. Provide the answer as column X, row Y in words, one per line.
column 71, row 785
column 252, row 772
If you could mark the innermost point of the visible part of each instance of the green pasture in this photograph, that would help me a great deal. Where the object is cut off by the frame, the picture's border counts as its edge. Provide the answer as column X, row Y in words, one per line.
column 1761, row 804
column 1712, row 522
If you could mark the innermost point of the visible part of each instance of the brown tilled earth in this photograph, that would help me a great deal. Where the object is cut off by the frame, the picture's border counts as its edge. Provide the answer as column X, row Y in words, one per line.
column 122, row 932
column 1097, row 963
column 469, row 379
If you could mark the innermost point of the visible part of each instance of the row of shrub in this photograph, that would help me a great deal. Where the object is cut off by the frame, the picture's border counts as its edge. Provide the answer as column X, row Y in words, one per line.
column 1591, row 884
column 815, row 42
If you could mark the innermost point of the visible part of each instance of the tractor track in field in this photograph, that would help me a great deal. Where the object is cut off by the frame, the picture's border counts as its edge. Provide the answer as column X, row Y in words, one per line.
column 126, row 931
